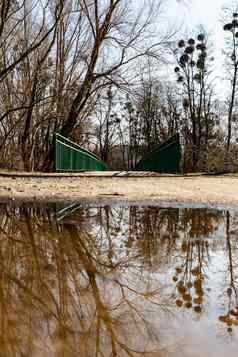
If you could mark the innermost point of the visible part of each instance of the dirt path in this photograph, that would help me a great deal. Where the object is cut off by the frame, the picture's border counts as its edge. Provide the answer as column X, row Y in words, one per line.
column 219, row 190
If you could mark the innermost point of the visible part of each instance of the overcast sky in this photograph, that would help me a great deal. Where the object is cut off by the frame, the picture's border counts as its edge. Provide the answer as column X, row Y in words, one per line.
column 197, row 12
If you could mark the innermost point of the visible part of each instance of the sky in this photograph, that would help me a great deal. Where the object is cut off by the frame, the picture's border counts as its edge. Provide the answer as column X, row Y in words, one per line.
column 192, row 13
column 197, row 11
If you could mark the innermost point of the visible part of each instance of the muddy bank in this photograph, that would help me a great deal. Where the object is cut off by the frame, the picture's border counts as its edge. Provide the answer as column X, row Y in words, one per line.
column 200, row 190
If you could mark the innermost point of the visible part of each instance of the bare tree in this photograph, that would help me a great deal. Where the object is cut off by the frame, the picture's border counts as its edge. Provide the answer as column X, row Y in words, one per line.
column 231, row 28
column 25, row 44
column 56, row 57
column 113, row 31
column 192, row 72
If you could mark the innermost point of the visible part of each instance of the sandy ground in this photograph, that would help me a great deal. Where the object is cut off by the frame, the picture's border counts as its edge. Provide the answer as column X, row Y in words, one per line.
column 120, row 187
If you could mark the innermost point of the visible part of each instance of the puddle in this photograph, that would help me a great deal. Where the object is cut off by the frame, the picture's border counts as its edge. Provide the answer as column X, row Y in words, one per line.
column 118, row 281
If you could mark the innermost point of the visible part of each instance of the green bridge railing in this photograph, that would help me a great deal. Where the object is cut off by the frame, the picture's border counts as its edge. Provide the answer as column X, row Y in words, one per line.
column 164, row 158
column 70, row 156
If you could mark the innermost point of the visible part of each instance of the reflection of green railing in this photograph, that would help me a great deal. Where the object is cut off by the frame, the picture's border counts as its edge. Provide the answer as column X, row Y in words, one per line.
column 64, row 212
column 70, row 156
column 164, row 158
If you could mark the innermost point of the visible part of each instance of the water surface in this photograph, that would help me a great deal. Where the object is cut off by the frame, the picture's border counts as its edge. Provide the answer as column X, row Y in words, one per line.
column 118, row 281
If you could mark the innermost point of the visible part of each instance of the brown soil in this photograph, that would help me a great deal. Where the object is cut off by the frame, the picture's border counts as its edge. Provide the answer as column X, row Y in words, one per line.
column 220, row 190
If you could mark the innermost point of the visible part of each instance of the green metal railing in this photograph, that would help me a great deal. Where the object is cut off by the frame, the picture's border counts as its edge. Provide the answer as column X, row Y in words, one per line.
column 164, row 158
column 70, row 156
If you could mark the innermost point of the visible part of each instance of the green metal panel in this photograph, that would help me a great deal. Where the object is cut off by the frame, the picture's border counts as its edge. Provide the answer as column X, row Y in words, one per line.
column 164, row 158
column 70, row 156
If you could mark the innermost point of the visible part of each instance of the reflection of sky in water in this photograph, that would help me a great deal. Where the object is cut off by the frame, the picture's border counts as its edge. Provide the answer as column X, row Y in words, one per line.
column 109, row 276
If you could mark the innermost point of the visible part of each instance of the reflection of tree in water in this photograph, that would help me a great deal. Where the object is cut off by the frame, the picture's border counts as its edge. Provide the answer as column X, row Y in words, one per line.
column 193, row 256
column 231, row 316
column 155, row 231
column 161, row 236
column 200, row 223
column 63, row 293
column 85, row 285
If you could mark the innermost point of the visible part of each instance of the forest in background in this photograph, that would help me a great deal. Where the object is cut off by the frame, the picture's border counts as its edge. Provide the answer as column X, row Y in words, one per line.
column 95, row 72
